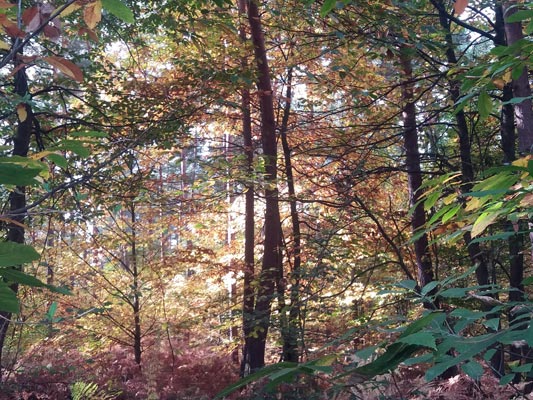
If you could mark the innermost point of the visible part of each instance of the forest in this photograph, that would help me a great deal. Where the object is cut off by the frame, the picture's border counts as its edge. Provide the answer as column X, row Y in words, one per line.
column 266, row 199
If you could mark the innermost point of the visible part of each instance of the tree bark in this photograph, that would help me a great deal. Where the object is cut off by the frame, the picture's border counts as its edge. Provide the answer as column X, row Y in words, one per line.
column 17, row 198
column 523, row 111
column 290, row 337
column 414, row 173
column 256, row 341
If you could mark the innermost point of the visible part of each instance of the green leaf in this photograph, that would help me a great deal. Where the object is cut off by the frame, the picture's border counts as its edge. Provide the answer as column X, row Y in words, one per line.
column 12, row 254
column 91, row 134
column 8, row 299
column 525, row 368
column 506, row 379
column 16, row 174
column 424, row 339
column 493, row 323
column 519, row 16
column 528, row 335
column 429, row 287
column 58, row 160
column 119, row 10
column 473, row 369
column 16, row 276
column 484, row 105
column 484, row 220
column 51, row 311
column 421, row 323
column 454, row 293
column 327, row 6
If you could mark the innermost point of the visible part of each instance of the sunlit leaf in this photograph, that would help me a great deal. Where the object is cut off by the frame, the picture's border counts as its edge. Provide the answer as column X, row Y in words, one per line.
column 92, row 14
column 119, row 10
column 460, row 6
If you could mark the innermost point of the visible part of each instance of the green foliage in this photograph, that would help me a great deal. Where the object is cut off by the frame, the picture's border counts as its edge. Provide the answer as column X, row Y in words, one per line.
column 89, row 391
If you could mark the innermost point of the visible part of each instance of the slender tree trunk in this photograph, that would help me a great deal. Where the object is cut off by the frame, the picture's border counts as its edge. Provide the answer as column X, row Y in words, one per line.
column 136, row 304
column 249, row 223
column 17, row 198
column 414, row 173
column 290, row 337
column 271, row 260
column 523, row 111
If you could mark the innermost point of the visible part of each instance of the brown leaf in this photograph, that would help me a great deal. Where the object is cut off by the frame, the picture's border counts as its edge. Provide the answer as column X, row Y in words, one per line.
column 51, row 32
column 65, row 66
column 31, row 18
column 92, row 34
column 92, row 14
column 459, row 6
column 10, row 27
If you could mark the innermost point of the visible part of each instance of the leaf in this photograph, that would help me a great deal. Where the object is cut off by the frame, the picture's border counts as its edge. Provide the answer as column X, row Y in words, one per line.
column 31, row 18
column 21, row 112
column 119, row 10
column 327, row 6
column 459, row 6
column 65, row 66
column 8, row 299
column 12, row 254
column 6, row 4
column 424, row 339
column 17, row 276
column 92, row 14
column 519, row 16
column 93, row 134
column 473, row 369
column 70, row 9
column 484, row 220
column 484, row 105
column 506, row 379
column 51, row 311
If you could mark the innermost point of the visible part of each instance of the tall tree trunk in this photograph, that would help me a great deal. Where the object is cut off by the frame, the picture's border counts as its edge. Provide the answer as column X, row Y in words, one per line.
column 290, row 336
column 17, row 198
column 249, row 222
column 523, row 111
column 271, row 256
column 414, row 173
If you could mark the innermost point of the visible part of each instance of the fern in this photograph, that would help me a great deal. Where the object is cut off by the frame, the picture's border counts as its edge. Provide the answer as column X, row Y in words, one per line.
column 89, row 391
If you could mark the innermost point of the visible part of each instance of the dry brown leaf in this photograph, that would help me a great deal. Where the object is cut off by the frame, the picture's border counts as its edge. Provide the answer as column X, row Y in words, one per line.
column 31, row 18
column 459, row 6
column 92, row 14
column 65, row 66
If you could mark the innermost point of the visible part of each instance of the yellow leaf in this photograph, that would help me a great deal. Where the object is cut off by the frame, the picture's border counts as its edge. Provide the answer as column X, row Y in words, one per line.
column 21, row 112
column 92, row 14
column 4, row 45
column 70, row 9
column 499, row 83
column 473, row 204
column 459, row 6
column 65, row 66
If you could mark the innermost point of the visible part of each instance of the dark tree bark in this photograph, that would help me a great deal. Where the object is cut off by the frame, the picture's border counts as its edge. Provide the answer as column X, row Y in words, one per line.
column 249, row 223
column 414, row 173
column 17, row 198
column 256, row 342
column 290, row 337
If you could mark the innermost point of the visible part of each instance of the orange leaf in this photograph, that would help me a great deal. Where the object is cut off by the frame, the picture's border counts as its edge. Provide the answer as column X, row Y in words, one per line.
column 92, row 14
column 67, row 67
column 459, row 6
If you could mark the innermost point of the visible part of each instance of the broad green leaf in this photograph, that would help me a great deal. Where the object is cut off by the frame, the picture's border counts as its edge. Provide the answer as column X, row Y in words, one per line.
column 524, row 368
column 119, row 10
column 506, row 379
column 424, row 339
column 420, row 323
column 17, row 276
column 454, row 293
column 493, row 323
column 484, row 105
column 429, row 287
column 8, row 299
column 58, row 160
column 327, row 6
column 51, row 311
column 519, row 16
column 528, row 334
column 473, row 369
column 13, row 254
column 91, row 134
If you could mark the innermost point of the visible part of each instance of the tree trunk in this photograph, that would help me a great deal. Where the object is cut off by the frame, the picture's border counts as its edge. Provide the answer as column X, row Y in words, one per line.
column 523, row 111
column 414, row 173
column 290, row 336
column 17, row 198
column 136, row 304
column 256, row 342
